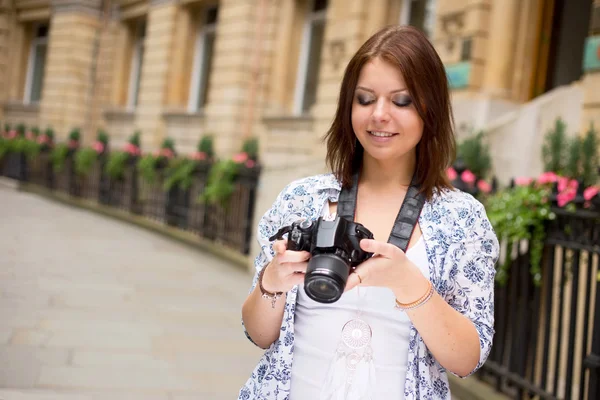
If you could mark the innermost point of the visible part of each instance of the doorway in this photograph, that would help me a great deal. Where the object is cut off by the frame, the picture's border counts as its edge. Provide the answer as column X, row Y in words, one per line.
column 563, row 29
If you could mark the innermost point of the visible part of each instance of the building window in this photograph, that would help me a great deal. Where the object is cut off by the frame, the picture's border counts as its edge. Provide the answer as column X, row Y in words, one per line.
column 420, row 14
column 310, row 57
column 203, row 56
column 137, row 59
column 36, row 64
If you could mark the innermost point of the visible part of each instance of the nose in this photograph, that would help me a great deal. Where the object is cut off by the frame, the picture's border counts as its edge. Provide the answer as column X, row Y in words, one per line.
column 381, row 111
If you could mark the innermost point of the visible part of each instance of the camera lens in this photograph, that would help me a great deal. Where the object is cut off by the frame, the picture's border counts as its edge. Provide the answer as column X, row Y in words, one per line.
column 326, row 277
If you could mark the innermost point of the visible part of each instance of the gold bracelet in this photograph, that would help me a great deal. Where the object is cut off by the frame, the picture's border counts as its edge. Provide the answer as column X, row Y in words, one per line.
column 422, row 300
column 265, row 294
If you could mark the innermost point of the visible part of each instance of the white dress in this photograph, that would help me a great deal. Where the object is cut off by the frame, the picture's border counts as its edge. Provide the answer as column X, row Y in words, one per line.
column 317, row 336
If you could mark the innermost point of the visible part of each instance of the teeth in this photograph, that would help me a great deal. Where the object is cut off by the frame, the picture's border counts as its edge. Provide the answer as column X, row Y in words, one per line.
column 381, row 134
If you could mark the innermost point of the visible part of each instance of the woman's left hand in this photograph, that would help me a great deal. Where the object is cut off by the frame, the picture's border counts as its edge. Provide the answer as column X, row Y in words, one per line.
column 389, row 267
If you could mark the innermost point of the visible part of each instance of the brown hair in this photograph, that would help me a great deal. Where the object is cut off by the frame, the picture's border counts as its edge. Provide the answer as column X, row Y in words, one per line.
column 425, row 77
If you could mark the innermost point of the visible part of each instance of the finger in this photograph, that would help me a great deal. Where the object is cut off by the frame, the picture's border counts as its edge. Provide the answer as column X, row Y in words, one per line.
column 386, row 250
column 360, row 276
column 291, row 256
column 352, row 282
column 280, row 246
column 295, row 267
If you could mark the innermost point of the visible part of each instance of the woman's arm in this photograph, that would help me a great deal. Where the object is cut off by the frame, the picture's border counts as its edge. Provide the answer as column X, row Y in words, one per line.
column 449, row 335
column 261, row 321
column 283, row 269
column 459, row 329
column 261, row 316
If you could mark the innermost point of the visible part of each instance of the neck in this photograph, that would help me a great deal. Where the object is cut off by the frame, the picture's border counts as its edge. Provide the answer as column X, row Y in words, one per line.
column 388, row 175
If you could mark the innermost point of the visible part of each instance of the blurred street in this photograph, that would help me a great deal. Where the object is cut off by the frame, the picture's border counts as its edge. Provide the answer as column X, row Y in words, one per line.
column 92, row 309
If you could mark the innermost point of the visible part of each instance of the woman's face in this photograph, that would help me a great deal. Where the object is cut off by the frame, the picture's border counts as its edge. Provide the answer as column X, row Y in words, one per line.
column 384, row 117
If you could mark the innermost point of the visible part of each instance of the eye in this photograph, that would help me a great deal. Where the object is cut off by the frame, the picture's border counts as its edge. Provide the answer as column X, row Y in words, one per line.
column 364, row 100
column 402, row 101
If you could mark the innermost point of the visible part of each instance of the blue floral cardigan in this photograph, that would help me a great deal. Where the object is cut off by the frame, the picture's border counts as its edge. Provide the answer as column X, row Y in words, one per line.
column 462, row 250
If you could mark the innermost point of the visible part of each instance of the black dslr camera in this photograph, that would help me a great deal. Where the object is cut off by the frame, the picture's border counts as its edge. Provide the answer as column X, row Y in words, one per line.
column 335, row 251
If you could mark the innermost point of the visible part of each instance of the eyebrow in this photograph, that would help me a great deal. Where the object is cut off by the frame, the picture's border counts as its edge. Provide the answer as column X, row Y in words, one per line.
column 372, row 91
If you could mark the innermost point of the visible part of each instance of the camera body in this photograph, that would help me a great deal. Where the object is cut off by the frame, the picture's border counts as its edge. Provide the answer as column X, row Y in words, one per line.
column 335, row 251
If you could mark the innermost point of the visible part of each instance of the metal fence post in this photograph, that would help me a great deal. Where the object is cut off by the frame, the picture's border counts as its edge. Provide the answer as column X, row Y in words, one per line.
column 592, row 361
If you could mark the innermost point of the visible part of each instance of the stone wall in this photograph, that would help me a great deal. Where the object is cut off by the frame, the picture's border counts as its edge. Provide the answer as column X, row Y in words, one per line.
column 68, row 83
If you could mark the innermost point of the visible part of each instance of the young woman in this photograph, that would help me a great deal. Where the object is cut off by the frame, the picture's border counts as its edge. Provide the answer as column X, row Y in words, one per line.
column 405, row 318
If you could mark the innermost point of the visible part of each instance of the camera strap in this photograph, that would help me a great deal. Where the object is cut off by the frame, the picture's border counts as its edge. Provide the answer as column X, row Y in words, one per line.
column 407, row 217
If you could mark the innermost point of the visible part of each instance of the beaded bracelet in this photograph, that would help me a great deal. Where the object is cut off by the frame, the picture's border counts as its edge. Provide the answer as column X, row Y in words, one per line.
column 417, row 303
column 265, row 293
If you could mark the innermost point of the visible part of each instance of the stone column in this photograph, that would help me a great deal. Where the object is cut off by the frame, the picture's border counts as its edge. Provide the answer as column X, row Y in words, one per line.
column 69, row 65
column 345, row 31
column 4, row 10
column 229, row 89
column 160, row 34
column 500, row 58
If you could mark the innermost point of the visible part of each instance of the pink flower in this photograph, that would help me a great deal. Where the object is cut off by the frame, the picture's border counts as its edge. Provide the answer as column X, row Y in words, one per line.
column 98, row 146
column 73, row 144
column 451, row 173
column 250, row 163
column 565, row 197
column 132, row 149
column 29, row 135
column 523, row 181
column 43, row 139
column 547, row 177
column 199, row 156
column 156, row 153
column 468, row 177
column 240, row 158
column 589, row 193
column 484, row 186
column 166, row 152
column 566, row 183
column 12, row 134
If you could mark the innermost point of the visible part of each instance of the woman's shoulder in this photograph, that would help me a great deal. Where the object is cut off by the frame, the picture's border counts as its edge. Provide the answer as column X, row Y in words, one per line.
column 454, row 198
column 455, row 207
column 310, row 185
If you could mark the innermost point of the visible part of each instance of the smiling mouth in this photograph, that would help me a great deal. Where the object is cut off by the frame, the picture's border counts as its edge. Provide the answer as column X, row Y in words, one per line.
column 381, row 134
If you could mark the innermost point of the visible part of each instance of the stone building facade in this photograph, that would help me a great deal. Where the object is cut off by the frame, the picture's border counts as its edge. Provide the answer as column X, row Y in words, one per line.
column 272, row 68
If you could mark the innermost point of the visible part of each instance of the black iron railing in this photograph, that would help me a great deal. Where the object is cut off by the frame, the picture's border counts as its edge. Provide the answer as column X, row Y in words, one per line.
column 228, row 224
column 547, row 341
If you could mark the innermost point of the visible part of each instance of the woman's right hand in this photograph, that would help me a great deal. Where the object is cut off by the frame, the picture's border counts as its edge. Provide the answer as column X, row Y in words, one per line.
column 286, row 270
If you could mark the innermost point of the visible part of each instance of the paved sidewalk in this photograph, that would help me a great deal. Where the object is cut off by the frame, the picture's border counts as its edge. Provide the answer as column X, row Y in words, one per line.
column 95, row 309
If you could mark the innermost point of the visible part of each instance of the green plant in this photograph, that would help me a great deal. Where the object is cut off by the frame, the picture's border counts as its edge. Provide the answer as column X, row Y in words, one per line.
column 520, row 213
column 59, row 157
column 135, row 138
column 220, row 182
column 476, row 155
column 75, row 134
column 147, row 166
column 102, row 136
column 116, row 163
column 180, row 173
column 21, row 130
column 84, row 160
column 573, row 160
column 3, row 147
column 589, row 157
column 206, row 146
column 168, row 143
column 31, row 148
column 250, row 147
column 50, row 133
column 555, row 147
